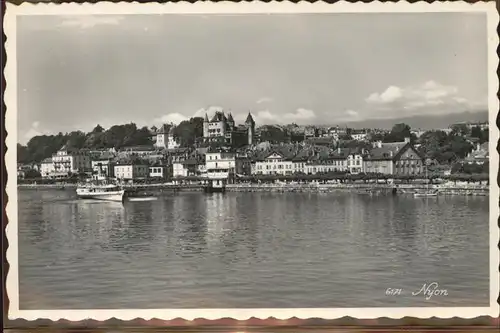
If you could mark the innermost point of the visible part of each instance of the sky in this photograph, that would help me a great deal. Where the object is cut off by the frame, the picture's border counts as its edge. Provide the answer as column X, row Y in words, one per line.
column 75, row 72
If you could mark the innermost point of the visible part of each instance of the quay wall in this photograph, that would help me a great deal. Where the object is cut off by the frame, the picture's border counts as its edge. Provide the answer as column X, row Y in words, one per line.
column 360, row 188
column 158, row 189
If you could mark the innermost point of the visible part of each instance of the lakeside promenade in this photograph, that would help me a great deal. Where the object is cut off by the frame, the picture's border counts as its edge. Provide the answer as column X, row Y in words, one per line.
column 362, row 188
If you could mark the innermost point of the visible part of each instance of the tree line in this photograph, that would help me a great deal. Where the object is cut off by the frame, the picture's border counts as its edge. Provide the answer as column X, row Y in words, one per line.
column 435, row 144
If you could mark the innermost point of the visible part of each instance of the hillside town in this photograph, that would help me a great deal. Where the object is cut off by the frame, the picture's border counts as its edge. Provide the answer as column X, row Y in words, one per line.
column 227, row 153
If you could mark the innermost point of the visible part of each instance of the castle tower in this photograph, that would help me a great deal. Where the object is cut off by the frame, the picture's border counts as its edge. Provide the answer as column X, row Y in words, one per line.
column 205, row 126
column 250, row 124
column 230, row 121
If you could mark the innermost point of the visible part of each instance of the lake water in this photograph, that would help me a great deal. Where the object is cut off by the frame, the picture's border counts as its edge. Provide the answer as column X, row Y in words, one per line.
column 247, row 250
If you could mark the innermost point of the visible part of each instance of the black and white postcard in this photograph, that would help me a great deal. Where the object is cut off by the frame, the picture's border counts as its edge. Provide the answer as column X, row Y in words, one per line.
column 237, row 160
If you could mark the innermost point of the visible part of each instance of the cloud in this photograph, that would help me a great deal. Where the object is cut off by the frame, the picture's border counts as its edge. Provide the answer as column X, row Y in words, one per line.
column 391, row 94
column 177, row 117
column 264, row 100
column 352, row 113
column 90, row 21
column 300, row 116
column 428, row 94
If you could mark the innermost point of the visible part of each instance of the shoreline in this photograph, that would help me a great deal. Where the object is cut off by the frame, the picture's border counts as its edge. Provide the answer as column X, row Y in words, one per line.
column 157, row 189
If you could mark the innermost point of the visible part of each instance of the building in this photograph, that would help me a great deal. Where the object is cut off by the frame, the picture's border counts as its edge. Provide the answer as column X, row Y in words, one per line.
column 131, row 170
column 163, row 137
column 395, row 158
column 47, row 168
column 288, row 160
column 159, row 171
column 479, row 155
column 68, row 161
column 223, row 166
column 321, row 160
column 355, row 163
column 311, row 132
column 274, row 163
column 359, row 135
column 222, row 129
column 103, row 167
column 137, row 151
column 186, row 164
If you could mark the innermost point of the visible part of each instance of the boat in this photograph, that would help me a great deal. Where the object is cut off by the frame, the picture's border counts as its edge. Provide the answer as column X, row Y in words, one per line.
column 108, row 192
column 425, row 194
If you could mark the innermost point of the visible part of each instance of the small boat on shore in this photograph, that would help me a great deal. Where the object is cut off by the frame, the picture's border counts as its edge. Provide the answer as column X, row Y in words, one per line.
column 425, row 194
column 107, row 192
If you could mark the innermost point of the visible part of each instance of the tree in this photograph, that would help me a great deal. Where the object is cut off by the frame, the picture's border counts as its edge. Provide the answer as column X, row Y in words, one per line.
column 482, row 135
column 98, row 129
column 444, row 148
column 32, row 174
column 460, row 129
column 188, row 131
column 22, row 154
column 398, row 133
column 273, row 134
column 76, row 139
column 118, row 136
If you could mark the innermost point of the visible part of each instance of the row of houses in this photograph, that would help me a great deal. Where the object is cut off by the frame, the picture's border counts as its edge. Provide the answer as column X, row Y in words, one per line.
column 398, row 158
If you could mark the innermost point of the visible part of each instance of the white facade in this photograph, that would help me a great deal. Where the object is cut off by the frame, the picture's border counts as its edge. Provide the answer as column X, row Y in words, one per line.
column 274, row 164
column 359, row 136
column 131, row 171
column 220, row 164
column 66, row 162
column 166, row 141
column 47, row 168
column 355, row 163
column 179, row 170
column 172, row 143
column 157, row 171
column 214, row 129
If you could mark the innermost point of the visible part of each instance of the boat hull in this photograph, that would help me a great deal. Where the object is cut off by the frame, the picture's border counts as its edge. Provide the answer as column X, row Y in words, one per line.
column 423, row 195
column 115, row 196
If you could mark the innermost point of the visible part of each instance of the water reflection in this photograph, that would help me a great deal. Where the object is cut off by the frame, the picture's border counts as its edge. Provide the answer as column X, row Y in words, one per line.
column 249, row 249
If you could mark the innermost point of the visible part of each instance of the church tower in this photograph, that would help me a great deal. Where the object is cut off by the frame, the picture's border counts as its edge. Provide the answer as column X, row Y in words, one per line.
column 250, row 125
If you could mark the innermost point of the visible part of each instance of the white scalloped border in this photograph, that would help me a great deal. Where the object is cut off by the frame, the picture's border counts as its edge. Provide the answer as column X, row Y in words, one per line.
column 12, row 284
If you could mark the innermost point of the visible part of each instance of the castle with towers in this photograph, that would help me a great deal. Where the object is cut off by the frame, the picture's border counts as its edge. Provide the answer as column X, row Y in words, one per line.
column 222, row 129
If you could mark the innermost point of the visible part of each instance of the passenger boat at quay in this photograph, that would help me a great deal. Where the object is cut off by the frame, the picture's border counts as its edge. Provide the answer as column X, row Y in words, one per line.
column 105, row 192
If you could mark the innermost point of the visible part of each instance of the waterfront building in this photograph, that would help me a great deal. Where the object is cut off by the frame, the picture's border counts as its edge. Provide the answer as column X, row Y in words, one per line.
column 222, row 129
column 322, row 160
column 103, row 166
column 273, row 163
column 293, row 159
column 67, row 161
column 47, row 168
column 186, row 164
column 355, row 163
column 222, row 166
column 395, row 158
column 159, row 171
column 131, row 170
